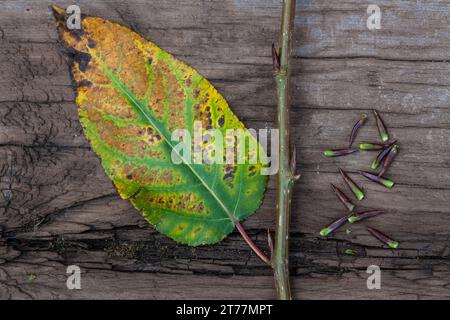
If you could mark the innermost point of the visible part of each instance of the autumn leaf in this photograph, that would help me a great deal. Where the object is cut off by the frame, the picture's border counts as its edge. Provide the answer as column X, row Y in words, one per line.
column 131, row 96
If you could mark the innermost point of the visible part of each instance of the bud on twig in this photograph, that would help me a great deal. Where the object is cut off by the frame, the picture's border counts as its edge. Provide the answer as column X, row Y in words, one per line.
column 275, row 58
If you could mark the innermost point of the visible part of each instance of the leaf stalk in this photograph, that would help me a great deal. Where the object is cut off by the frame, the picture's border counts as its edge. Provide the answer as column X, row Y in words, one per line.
column 251, row 244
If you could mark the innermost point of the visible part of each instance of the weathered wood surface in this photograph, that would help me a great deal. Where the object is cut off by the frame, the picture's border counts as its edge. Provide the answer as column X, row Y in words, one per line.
column 58, row 208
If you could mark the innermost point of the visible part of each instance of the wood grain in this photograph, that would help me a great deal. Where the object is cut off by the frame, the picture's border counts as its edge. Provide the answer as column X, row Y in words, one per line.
column 58, row 208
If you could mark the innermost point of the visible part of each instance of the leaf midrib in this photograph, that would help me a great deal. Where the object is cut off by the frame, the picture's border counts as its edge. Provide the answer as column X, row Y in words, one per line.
column 124, row 91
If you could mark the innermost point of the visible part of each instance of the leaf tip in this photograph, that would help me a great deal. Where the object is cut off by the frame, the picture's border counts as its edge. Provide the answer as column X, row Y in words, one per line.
column 57, row 11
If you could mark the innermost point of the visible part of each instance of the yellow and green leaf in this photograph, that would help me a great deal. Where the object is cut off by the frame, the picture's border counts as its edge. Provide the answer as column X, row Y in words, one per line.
column 131, row 96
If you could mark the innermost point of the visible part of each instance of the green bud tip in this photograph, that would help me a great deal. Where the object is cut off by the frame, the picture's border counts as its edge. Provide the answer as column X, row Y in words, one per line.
column 385, row 137
column 325, row 231
column 388, row 183
column 352, row 218
column 349, row 252
column 359, row 194
column 364, row 146
column 393, row 244
column 374, row 165
column 328, row 153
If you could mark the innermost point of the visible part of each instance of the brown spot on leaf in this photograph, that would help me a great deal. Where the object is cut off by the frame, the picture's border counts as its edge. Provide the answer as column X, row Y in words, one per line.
column 228, row 179
column 77, row 34
column 82, row 58
column 84, row 83
column 221, row 121
column 91, row 43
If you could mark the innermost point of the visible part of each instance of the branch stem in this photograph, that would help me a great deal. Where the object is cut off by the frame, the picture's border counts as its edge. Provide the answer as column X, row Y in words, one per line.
column 286, row 154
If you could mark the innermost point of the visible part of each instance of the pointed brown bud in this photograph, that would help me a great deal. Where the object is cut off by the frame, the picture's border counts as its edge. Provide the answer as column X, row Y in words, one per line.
column 275, row 58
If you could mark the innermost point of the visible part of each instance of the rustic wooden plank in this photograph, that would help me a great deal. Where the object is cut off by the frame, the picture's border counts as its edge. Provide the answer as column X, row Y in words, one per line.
column 58, row 208
column 48, row 275
column 409, row 30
